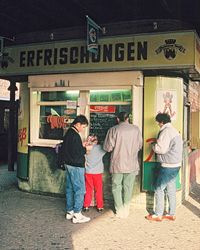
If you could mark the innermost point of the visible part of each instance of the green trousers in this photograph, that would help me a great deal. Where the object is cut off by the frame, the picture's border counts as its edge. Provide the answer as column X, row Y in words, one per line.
column 122, row 189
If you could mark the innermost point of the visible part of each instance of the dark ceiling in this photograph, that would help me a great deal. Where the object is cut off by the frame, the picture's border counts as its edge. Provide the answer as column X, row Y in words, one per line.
column 25, row 16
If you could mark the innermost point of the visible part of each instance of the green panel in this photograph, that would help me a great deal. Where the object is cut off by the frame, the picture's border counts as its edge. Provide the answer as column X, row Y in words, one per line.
column 22, row 166
column 110, row 95
column 150, row 172
column 178, row 182
column 44, row 174
column 59, row 95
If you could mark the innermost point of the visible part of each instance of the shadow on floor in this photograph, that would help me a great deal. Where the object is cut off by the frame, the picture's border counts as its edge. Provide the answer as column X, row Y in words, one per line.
column 195, row 195
column 7, row 179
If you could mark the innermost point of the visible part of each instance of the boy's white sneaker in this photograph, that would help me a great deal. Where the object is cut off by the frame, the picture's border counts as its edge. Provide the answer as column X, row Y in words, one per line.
column 79, row 218
column 69, row 215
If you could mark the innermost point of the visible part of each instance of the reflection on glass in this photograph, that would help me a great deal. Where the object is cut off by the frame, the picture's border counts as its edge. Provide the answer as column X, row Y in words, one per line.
column 51, row 126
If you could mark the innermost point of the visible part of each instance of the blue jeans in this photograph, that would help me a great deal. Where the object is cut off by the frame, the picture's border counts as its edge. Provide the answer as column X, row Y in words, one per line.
column 75, row 188
column 166, row 181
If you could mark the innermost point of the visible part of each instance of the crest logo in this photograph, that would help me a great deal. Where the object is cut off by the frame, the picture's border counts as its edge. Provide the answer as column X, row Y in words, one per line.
column 93, row 35
column 170, row 49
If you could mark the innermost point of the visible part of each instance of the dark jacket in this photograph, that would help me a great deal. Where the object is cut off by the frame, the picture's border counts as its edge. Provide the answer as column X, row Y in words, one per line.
column 73, row 152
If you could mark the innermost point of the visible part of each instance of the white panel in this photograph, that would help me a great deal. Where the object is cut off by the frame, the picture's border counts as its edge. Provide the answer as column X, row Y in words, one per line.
column 137, row 106
column 86, row 79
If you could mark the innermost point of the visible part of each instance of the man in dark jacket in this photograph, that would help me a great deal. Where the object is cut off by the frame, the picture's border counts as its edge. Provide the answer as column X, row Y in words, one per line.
column 73, row 156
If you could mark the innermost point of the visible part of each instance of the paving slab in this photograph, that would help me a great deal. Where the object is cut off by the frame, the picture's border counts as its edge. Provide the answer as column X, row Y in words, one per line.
column 37, row 222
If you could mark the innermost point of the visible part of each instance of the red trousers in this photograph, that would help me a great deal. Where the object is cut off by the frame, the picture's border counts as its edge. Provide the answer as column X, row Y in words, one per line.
column 93, row 182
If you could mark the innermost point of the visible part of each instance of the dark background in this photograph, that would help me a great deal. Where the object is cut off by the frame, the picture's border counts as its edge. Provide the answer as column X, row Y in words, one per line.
column 24, row 16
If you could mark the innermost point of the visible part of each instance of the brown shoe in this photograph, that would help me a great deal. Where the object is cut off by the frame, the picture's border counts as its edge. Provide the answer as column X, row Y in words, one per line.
column 153, row 217
column 169, row 217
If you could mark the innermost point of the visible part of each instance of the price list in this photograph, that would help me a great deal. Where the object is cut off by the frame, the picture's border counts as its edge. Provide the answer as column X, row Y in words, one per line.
column 100, row 123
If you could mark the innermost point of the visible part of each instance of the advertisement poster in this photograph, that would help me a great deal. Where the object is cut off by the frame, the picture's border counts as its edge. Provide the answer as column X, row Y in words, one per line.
column 23, row 122
column 166, row 102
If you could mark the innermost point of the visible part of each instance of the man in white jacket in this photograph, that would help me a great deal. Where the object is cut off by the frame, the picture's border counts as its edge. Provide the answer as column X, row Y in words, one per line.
column 169, row 148
column 123, row 141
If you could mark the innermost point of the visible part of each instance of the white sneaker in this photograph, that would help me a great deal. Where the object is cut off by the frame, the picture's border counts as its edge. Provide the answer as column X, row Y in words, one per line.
column 120, row 213
column 69, row 215
column 79, row 218
column 126, row 211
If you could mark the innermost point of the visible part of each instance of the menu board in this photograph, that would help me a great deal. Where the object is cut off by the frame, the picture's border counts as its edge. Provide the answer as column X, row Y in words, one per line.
column 103, row 117
column 100, row 123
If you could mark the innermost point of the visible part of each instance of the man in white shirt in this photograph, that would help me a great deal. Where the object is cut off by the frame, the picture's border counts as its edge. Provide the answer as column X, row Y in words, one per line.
column 169, row 148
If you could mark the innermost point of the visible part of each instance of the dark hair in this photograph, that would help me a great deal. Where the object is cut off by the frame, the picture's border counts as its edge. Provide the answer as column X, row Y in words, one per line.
column 96, row 137
column 80, row 119
column 122, row 116
column 163, row 118
column 93, row 135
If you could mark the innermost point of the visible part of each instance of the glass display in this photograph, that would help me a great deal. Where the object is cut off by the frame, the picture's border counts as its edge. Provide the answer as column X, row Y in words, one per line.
column 56, row 119
column 110, row 95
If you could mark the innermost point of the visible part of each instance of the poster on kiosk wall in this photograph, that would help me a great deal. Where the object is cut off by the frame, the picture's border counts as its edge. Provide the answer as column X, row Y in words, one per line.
column 161, row 95
column 23, row 132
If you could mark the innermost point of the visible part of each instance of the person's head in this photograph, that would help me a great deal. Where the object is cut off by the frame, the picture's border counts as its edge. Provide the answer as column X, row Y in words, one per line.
column 80, row 122
column 162, row 118
column 92, row 139
column 122, row 117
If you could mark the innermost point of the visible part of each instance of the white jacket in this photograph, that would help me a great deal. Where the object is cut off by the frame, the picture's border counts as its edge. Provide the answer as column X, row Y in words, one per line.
column 169, row 146
column 123, row 141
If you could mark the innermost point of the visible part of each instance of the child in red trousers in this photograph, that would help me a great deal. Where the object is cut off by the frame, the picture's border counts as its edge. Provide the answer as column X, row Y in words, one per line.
column 93, row 174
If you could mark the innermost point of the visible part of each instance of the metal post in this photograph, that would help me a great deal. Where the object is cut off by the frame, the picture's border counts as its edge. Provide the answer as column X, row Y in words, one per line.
column 11, row 130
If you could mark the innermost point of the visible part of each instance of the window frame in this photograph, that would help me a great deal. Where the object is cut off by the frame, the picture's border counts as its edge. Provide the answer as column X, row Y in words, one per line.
column 35, row 104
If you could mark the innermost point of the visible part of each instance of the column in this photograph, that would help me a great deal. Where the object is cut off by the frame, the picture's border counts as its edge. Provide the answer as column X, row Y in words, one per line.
column 12, row 127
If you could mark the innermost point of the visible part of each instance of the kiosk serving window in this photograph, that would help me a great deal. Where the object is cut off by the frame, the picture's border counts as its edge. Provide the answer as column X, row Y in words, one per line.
column 54, row 111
